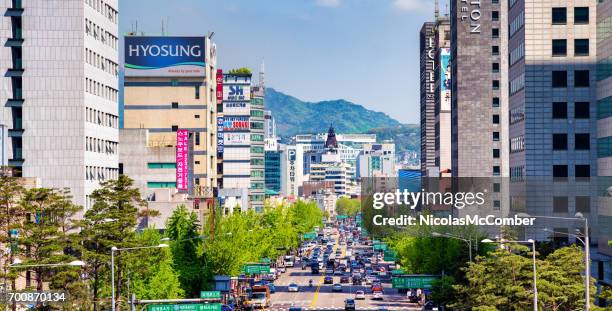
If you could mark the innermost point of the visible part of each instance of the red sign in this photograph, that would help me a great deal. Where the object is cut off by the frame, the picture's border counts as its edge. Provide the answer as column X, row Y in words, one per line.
column 219, row 85
column 182, row 157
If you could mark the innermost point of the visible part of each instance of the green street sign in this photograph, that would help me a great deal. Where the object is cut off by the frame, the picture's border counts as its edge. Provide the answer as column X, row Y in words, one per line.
column 390, row 255
column 210, row 294
column 413, row 281
column 186, row 307
column 256, row 269
column 380, row 247
column 397, row 272
column 310, row 235
column 265, row 260
column 341, row 216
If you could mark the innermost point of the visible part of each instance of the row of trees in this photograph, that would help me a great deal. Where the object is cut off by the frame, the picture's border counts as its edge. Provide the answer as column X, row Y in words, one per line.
column 348, row 206
column 500, row 278
column 43, row 226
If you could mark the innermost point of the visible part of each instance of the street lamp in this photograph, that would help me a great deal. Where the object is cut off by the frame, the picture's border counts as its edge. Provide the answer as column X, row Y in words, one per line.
column 535, row 280
column 115, row 249
column 446, row 235
column 587, row 251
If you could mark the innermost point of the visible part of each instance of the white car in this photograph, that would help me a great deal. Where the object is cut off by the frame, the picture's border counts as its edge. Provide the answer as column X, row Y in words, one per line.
column 377, row 295
column 293, row 288
column 360, row 295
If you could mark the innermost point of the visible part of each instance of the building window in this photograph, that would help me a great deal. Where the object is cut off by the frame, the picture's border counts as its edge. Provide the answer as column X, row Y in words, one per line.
column 496, row 170
column 559, row 110
column 583, row 204
column 581, row 110
column 175, row 128
column 559, row 78
column 581, row 47
column 495, row 67
column 495, row 119
column 581, row 15
column 581, row 78
column 559, row 16
column 197, row 92
column 495, row 136
column 495, row 84
column 197, row 116
column 161, row 184
column 495, row 16
column 583, row 171
column 559, row 141
column 175, row 82
column 496, row 204
column 159, row 165
column 582, row 141
column 174, row 105
column 496, row 187
column 496, row 153
column 197, row 138
column 560, row 172
column 560, row 204
column 495, row 33
column 559, row 47
column 495, row 102
column 495, row 50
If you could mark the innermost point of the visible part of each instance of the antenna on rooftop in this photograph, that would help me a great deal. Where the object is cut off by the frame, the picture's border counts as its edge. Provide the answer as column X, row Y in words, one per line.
column 436, row 10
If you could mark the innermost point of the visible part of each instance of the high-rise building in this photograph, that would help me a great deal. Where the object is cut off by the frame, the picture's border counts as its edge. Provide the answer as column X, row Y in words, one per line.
column 292, row 170
column 269, row 124
column 258, row 156
column 273, row 172
column 428, row 101
column 377, row 160
column 479, row 86
column 443, row 97
column 169, row 89
column 59, row 114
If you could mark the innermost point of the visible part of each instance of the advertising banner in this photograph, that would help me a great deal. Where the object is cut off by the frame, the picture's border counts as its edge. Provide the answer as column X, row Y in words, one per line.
column 219, row 86
column 165, row 56
column 236, row 124
column 237, row 139
column 182, row 156
column 445, row 79
column 236, row 92
column 220, row 140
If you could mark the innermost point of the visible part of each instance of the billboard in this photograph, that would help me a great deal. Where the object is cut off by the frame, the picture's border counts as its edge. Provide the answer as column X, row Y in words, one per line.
column 182, row 156
column 236, row 124
column 237, row 138
column 445, row 79
column 220, row 141
column 235, row 92
column 165, row 56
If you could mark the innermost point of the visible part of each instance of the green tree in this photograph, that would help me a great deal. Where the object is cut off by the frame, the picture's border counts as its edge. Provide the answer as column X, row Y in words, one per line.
column 11, row 216
column 240, row 71
column 109, row 222
column 46, row 235
column 183, row 228
column 348, row 206
column 150, row 271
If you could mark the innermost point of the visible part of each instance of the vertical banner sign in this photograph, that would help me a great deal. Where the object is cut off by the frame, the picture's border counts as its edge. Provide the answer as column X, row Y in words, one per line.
column 292, row 158
column 445, row 80
column 182, row 156
column 219, row 86
column 220, row 141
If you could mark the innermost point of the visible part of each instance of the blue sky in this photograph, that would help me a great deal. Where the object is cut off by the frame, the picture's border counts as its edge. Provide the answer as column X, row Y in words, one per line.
column 365, row 51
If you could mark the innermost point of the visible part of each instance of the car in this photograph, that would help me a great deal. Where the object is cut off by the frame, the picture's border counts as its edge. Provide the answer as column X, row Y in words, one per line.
column 295, row 309
column 430, row 306
column 282, row 269
column 271, row 287
column 338, row 272
column 377, row 288
column 328, row 280
column 337, row 287
column 360, row 295
column 344, row 279
column 349, row 305
column 329, row 271
column 377, row 295
column 293, row 288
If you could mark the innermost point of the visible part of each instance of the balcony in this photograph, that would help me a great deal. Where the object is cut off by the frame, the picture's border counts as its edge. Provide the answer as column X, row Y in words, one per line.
column 13, row 42
column 15, row 132
column 14, row 102
column 14, row 72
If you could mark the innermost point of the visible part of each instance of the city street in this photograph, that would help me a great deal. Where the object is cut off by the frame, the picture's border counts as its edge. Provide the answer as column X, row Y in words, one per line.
column 321, row 297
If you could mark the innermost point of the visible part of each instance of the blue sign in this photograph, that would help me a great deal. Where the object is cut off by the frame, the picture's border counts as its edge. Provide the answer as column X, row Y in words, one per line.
column 165, row 56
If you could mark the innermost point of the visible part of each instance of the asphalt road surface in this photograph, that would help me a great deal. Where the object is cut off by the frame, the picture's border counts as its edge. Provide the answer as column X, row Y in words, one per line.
column 321, row 297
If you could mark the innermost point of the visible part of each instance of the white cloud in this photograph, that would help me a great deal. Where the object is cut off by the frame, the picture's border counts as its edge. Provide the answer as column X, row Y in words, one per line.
column 411, row 5
column 328, row 3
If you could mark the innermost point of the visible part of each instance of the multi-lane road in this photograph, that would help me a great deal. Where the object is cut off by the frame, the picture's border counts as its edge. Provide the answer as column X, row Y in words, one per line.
column 321, row 297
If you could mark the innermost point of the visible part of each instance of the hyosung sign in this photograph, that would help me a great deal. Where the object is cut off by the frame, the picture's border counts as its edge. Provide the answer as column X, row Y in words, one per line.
column 165, row 56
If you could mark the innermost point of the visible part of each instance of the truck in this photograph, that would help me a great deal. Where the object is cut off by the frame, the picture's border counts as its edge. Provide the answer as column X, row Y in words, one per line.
column 289, row 261
column 259, row 298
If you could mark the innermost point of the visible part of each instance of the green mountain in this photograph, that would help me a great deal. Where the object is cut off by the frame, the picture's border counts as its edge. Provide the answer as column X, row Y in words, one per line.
column 294, row 116
column 407, row 137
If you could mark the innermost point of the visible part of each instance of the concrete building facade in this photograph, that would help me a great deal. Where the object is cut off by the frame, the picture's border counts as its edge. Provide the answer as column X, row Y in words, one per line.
column 59, row 114
column 258, row 180
column 428, row 102
column 377, row 160
column 443, row 97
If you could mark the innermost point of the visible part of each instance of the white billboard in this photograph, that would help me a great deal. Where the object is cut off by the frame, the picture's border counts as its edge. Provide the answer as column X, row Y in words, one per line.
column 236, row 139
column 235, row 92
